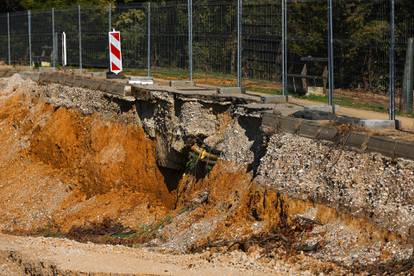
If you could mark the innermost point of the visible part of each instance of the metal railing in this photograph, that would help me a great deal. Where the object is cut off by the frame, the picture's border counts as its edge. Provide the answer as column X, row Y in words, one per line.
column 355, row 45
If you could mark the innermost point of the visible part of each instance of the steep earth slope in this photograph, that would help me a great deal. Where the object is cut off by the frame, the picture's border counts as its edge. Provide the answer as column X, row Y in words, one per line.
column 77, row 164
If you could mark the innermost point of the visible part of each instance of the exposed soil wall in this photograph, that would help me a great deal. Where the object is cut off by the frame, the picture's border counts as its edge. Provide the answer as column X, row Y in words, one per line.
column 62, row 168
column 228, row 211
column 77, row 163
column 366, row 185
column 362, row 184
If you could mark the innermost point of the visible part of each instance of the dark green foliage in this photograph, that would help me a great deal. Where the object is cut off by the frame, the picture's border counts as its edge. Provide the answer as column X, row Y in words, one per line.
column 361, row 39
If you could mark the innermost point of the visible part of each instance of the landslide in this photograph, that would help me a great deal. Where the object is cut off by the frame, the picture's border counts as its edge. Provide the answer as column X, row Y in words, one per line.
column 60, row 168
column 88, row 175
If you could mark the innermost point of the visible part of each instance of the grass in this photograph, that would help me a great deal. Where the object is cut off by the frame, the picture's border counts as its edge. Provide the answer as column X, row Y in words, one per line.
column 145, row 231
column 181, row 74
column 265, row 87
column 346, row 102
column 127, row 235
column 50, row 231
column 264, row 90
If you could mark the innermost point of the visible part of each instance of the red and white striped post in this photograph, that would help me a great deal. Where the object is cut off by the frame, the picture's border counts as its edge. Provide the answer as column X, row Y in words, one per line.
column 115, row 52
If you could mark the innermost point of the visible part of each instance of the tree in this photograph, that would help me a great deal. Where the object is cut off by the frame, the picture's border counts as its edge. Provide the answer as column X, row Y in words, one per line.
column 47, row 4
column 10, row 5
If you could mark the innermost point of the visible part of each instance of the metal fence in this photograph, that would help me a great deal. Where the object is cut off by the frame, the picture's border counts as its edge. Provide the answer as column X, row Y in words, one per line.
column 356, row 46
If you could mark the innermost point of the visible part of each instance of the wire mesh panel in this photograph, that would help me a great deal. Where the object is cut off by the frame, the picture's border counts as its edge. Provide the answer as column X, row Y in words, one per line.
column 66, row 20
column 262, row 40
column 42, row 37
column 361, row 44
column 169, row 35
column 131, row 21
column 95, row 22
column 361, row 40
column 214, row 37
column 3, row 39
column 404, row 20
column 307, row 45
column 19, row 38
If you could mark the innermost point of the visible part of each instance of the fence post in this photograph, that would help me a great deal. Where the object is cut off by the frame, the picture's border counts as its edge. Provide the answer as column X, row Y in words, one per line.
column 53, row 39
column 392, row 63
column 284, row 49
column 8, row 38
column 331, row 58
column 109, row 30
column 64, row 51
column 80, row 37
column 190, row 38
column 29, row 23
column 239, row 42
column 149, row 39
column 407, row 87
column 110, row 17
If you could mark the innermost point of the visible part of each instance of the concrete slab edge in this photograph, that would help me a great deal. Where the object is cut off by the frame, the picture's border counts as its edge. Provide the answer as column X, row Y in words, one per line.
column 107, row 86
column 270, row 122
column 182, row 83
column 361, row 142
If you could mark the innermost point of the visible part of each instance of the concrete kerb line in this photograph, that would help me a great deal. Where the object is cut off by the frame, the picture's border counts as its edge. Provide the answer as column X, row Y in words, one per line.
column 360, row 142
column 107, row 86
column 285, row 99
column 382, row 145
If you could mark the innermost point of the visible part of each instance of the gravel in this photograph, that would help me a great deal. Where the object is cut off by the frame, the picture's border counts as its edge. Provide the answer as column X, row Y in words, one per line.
column 88, row 102
column 235, row 145
column 366, row 185
column 192, row 113
column 362, row 184
column 342, row 244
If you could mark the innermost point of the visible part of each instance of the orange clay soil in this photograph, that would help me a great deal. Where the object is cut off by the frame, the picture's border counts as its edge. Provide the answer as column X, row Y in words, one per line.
column 240, row 203
column 60, row 168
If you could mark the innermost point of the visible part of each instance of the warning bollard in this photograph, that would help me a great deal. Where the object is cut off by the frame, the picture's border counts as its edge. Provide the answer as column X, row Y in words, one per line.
column 115, row 54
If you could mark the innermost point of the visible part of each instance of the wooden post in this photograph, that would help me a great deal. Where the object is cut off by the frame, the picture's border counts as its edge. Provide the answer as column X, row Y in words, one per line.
column 304, row 80
column 325, row 80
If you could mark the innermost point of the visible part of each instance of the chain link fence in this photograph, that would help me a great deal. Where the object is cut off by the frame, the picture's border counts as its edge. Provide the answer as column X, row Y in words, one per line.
column 227, row 40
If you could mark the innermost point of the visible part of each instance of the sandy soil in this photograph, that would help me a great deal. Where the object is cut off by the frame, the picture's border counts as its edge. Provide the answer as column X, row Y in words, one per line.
column 64, row 173
column 92, row 178
column 60, row 167
column 42, row 256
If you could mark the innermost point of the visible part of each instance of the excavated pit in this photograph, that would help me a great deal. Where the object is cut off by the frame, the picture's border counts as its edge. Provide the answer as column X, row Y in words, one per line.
column 79, row 164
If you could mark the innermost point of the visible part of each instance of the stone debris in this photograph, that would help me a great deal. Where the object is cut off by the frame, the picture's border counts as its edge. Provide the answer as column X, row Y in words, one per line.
column 362, row 184
column 89, row 102
column 235, row 146
column 192, row 113
column 356, row 185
